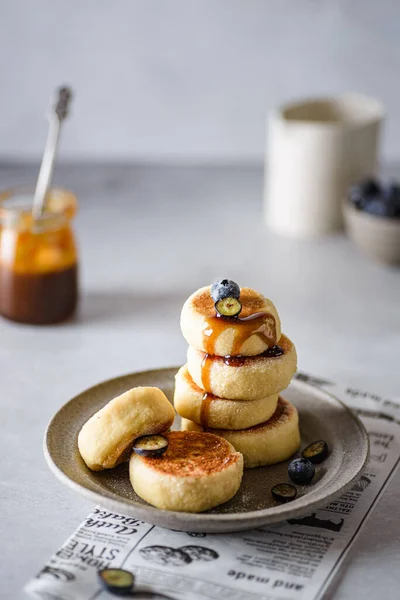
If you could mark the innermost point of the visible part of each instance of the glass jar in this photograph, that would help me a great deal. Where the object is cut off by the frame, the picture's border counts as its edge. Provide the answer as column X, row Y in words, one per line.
column 38, row 258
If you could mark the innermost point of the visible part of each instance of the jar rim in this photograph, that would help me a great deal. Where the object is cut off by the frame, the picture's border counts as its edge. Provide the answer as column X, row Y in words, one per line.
column 61, row 204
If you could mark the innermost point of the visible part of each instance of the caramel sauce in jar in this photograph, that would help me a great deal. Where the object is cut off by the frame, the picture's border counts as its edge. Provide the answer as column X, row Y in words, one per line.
column 38, row 258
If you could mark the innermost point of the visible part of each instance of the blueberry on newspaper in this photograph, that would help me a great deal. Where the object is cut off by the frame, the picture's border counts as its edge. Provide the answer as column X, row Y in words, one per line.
column 117, row 581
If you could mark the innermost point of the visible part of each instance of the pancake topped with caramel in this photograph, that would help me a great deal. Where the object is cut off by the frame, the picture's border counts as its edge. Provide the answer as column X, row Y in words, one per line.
column 253, row 331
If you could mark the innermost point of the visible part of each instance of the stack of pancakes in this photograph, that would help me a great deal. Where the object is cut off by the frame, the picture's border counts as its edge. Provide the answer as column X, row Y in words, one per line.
column 235, row 371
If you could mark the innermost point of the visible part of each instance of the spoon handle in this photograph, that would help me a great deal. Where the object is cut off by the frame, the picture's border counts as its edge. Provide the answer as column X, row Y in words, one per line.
column 50, row 151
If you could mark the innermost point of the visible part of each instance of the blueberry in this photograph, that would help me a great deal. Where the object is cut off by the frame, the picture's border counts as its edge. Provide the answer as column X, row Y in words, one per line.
column 150, row 445
column 301, row 471
column 378, row 207
column 228, row 307
column 391, row 197
column 117, row 581
column 316, row 452
column 362, row 191
column 376, row 199
column 274, row 351
column 358, row 203
column 356, row 196
column 284, row 492
column 395, row 198
column 225, row 288
column 369, row 187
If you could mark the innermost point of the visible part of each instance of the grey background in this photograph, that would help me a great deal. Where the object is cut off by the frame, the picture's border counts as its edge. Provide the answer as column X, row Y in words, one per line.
column 187, row 79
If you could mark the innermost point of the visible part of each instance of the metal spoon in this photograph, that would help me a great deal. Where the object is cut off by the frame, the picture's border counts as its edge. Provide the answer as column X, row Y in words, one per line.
column 60, row 111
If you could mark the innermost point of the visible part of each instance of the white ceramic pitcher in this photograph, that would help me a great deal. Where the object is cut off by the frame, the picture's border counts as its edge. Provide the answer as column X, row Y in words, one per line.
column 316, row 150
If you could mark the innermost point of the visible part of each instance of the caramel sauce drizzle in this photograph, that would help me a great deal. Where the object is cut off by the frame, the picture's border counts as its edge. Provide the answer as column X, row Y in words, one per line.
column 205, row 409
column 261, row 324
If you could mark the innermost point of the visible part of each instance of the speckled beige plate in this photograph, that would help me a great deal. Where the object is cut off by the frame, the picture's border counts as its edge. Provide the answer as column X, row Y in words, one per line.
column 321, row 417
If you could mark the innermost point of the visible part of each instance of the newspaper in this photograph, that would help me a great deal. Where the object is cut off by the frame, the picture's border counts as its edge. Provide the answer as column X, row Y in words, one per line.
column 293, row 560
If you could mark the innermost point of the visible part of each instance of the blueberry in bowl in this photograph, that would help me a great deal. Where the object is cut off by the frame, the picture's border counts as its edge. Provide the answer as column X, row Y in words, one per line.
column 361, row 192
column 372, row 218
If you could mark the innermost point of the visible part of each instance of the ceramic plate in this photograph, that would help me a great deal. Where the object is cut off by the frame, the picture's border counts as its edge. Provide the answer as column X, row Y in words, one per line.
column 321, row 417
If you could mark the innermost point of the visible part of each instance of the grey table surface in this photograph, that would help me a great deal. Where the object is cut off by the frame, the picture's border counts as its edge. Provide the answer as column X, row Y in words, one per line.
column 149, row 236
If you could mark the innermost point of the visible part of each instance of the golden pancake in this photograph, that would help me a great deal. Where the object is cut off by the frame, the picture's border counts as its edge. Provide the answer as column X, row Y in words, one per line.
column 243, row 378
column 265, row 444
column 108, row 435
column 191, row 402
column 206, row 332
column 197, row 472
